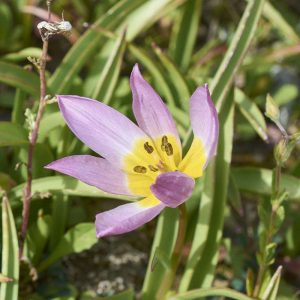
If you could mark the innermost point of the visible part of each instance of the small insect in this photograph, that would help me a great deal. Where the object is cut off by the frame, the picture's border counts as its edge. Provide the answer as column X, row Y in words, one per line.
column 48, row 29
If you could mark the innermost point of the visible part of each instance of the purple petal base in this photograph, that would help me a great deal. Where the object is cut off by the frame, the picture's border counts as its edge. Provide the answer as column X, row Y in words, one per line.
column 173, row 188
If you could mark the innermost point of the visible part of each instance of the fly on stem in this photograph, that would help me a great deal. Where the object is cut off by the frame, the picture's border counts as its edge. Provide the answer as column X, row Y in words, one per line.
column 47, row 30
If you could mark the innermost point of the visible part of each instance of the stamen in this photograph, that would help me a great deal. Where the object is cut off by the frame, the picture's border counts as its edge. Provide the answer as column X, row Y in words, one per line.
column 148, row 148
column 166, row 146
column 169, row 149
column 152, row 168
column 140, row 169
column 164, row 142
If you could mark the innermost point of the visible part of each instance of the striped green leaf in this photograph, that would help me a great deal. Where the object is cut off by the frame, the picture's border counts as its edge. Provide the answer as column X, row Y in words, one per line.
column 164, row 240
column 18, row 77
column 259, row 181
column 108, row 77
column 185, row 33
column 12, row 134
column 63, row 185
column 199, row 293
column 252, row 113
column 10, row 254
column 85, row 47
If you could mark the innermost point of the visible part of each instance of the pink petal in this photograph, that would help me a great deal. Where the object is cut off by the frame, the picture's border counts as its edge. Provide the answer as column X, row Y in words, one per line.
column 94, row 171
column 204, row 120
column 151, row 113
column 100, row 127
column 125, row 218
column 173, row 188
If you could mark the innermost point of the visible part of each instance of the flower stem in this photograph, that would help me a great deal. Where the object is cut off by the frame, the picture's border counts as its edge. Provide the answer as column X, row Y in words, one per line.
column 27, row 195
column 270, row 230
column 169, row 276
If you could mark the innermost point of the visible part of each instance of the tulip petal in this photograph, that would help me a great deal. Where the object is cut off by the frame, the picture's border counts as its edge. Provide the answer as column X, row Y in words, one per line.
column 127, row 217
column 173, row 188
column 100, row 127
column 94, row 171
column 152, row 115
column 204, row 120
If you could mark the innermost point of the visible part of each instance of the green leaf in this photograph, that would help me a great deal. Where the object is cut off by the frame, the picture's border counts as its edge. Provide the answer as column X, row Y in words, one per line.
column 48, row 123
column 259, row 181
column 12, row 134
column 63, row 185
column 272, row 109
column 252, row 113
column 147, row 14
column 10, row 254
column 79, row 238
column 236, row 51
column 165, row 237
column 86, row 46
column 199, row 293
column 156, row 73
column 107, row 79
column 203, row 255
column 6, row 182
column 23, row 54
column 186, row 29
column 19, row 78
column 60, row 211
column 37, row 237
column 270, row 293
column 234, row 193
column 250, row 282
column 17, row 115
column 285, row 94
column 163, row 86
column 176, row 78
column 278, row 21
column 215, row 187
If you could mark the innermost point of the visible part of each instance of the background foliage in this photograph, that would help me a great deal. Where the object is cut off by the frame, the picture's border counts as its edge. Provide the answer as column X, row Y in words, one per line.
column 244, row 50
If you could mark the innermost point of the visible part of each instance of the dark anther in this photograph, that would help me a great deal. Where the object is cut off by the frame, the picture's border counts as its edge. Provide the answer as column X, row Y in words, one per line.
column 169, row 149
column 164, row 140
column 164, row 143
column 140, row 169
column 153, row 169
column 148, row 148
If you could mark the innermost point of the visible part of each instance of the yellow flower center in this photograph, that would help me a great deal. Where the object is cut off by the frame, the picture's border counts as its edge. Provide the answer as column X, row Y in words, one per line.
column 150, row 158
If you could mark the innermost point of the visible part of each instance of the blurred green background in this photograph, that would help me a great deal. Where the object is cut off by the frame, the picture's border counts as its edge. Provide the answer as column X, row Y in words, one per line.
column 179, row 45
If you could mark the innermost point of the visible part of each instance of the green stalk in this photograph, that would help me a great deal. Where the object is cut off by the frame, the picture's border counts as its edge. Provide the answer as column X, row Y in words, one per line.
column 263, row 268
column 169, row 276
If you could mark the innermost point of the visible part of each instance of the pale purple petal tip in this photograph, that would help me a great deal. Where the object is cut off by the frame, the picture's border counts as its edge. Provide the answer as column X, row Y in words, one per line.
column 151, row 113
column 173, row 188
column 94, row 171
column 204, row 119
column 125, row 218
column 100, row 127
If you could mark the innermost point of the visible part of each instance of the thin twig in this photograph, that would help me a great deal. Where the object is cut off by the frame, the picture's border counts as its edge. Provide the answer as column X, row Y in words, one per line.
column 27, row 195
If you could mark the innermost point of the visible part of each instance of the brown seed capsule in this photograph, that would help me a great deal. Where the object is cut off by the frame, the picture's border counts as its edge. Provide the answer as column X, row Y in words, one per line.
column 140, row 169
column 148, row 148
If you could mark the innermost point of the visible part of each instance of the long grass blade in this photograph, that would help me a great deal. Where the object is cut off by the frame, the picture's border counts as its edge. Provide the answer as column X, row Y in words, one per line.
column 10, row 254
column 186, row 33
column 17, row 77
column 199, row 293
